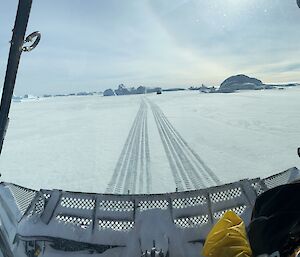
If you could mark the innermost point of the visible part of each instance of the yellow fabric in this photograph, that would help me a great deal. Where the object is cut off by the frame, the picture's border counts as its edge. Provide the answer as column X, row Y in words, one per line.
column 227, row 238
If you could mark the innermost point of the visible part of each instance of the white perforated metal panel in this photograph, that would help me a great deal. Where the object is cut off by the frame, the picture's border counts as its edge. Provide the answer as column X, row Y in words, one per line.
column 189, row 202
column 77, row 203
column 116, row 225
column 78, row 221
column 22, row 196
column 238, row 210
column 155, row 204
column 191, row 222
column 118, row 206
column 225, row 195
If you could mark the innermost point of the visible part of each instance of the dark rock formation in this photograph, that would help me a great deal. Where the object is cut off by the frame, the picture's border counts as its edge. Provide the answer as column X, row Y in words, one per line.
column 108, row 92
column 240, row 82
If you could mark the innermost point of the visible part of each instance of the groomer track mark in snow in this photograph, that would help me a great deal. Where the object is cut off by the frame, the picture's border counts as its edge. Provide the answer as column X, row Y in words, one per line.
column 188, row 169
column 132, row 172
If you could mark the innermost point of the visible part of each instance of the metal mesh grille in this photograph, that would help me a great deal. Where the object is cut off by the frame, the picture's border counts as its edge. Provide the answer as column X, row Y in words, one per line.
column 155, row 204
column 239, row 210
column 257, row 187
column 22, row 196
column 277, row 180
column 225, row 195
column 119, row 206
column 47, row 196
column 39, row 206
column 191, row 222
column 77, row 203
column 189, row 202
column 78, row 221
column 116, row 225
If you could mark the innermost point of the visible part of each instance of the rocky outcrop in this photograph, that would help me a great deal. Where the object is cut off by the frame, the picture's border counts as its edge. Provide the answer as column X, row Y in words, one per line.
column 122, row 90
column 240, row 82
column 108, row 92
column 140, row 90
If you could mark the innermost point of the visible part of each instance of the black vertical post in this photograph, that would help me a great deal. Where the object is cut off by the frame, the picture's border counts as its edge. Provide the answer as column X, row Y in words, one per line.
column 298, row 2
column 17, row 41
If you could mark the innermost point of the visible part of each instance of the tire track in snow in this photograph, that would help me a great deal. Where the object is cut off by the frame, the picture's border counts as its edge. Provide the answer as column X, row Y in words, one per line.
column 209, row 175
column 132, row 166
column 188, row 169
column 147, row 156
column 115, row 179
column 180, row 178
column 145, row 179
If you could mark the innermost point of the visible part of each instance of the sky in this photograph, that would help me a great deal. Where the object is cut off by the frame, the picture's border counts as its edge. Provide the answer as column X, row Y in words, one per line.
column 91, row 45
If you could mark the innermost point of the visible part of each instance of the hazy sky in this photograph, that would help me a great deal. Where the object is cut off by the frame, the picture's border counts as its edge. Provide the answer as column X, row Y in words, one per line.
column 96, row 44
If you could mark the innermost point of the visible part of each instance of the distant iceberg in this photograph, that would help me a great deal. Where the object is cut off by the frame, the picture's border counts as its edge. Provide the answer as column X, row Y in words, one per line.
column 17, row 99
column 28, row 97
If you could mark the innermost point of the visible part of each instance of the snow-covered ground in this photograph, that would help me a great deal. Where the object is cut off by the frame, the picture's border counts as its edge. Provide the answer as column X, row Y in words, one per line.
column 112, row 144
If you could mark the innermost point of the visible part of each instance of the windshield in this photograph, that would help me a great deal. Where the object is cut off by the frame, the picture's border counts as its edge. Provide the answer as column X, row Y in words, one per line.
column 153, row 96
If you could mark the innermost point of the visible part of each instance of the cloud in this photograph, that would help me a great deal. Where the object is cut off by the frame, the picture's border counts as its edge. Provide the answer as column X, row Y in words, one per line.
column 171, row 43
